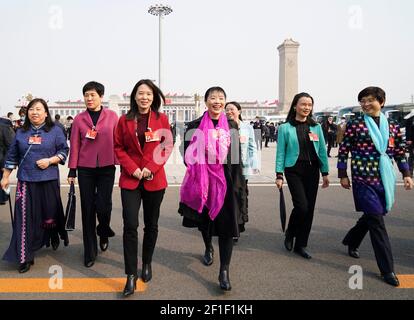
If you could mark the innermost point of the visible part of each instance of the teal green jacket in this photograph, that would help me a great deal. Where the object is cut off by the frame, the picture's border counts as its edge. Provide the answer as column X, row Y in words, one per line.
column 287, row 152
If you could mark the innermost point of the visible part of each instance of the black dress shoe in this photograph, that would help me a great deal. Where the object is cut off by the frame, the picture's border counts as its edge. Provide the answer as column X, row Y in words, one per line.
column 103, row 243
column 302, row 252
column 54, row 241
column 353, row 252
column 208, row 257
column 25, row 266
column 89, row 264
column 224, row 280
column 288, row 241
column 391, row 279
column 146, row 274
column 131, row 285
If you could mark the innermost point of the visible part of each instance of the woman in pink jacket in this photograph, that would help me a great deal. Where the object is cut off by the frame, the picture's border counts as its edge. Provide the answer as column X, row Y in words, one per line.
column 92, row 157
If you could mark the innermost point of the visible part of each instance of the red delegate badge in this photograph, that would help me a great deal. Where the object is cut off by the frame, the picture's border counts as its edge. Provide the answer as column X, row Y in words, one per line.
column 151, row 136
column 313, row 136
column 35, row 140
column 91, row 134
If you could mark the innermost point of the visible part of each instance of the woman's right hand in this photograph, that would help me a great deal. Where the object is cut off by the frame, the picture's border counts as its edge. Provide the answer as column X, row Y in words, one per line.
column 279, row 183
column 4, row 183
column 345, row 183
column 71, row 180
column 137, row 174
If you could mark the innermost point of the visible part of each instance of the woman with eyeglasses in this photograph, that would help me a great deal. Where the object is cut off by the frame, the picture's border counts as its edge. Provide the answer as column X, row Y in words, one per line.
column 143, row 143
column 373, row 141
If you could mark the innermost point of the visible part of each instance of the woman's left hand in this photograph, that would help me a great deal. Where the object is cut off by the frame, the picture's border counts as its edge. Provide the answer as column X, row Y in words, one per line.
column 408, row 183
column 325, row 182
column 145, row 173
column 43, row 163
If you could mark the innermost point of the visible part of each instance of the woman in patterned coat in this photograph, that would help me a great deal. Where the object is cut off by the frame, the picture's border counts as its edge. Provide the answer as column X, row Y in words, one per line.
column 373, row 141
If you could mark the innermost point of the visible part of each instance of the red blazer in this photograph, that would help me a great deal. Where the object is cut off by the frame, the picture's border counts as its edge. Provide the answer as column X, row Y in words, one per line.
column 153, row 156
column 86, row 152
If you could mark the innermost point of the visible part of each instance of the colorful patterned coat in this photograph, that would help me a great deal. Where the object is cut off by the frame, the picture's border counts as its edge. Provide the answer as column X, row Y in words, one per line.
column 367, row 188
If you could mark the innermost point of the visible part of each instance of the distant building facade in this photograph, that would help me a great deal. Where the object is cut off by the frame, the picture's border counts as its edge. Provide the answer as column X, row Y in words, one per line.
column 178, row 108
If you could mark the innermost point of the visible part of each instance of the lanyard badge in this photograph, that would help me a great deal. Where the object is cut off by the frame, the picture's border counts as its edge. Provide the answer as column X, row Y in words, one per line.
column 35, row 140
column 151, row 136
column 91, row 133
column 313, row 136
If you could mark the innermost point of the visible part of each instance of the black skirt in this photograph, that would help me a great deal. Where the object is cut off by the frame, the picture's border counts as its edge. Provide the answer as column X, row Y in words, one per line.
column 226, row 222
column 38, row 217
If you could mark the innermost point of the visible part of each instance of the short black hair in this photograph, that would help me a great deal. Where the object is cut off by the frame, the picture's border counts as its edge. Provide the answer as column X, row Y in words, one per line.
column 93, row 85
column 212, row 89
column 9, row 114
column 57, row 116
column 22, row 111
column 376, row 92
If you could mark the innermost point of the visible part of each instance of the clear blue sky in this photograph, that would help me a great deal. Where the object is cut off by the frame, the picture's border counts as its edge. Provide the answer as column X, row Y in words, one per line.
column 345, row 46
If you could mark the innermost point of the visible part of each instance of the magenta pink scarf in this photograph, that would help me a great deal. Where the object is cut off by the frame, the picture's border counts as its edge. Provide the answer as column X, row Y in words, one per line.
column 204, row 183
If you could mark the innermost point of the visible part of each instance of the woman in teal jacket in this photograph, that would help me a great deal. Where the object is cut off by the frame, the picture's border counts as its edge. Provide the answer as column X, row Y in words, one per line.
column 301, row 154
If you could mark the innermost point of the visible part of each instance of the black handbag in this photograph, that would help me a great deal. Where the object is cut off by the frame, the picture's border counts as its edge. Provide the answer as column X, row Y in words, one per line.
column 70, row 209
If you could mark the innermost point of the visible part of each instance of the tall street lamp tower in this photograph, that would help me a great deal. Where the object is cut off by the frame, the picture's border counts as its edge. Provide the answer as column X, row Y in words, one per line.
column 159, row 10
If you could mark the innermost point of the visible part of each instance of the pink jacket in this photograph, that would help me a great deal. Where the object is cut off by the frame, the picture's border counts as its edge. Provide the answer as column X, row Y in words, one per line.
column 93, row 153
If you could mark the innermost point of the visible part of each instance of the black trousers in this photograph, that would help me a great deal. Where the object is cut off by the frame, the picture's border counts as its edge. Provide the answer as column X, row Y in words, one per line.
column 303, row 181
column 331, row 142
column 379, row 239
column 410, row 158
column 95, row 187
column 131, row 202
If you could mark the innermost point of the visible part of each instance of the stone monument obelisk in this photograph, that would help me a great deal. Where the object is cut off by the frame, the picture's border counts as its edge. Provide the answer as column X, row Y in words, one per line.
column 288, row 73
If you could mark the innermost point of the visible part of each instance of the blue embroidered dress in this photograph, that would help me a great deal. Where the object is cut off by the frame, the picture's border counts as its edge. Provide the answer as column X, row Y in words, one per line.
column 38, row 206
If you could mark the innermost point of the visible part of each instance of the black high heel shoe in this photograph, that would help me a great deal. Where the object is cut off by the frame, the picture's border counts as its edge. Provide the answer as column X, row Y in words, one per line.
column 146, row 274
column 224, row 280
column 130, row 286
column 25, row 266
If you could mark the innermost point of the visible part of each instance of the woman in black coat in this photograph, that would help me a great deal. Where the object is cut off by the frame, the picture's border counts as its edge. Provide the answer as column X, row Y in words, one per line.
column 214, row 186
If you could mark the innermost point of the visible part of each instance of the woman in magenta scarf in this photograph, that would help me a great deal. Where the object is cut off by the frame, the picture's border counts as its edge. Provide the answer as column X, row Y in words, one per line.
column 213, row 182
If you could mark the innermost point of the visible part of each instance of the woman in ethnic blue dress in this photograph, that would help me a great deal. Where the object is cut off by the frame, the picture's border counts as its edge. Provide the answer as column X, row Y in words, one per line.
column 373, row 141
column 37, row 149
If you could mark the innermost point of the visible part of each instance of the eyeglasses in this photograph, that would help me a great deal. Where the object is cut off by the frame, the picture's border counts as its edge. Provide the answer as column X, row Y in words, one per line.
column 367, row 101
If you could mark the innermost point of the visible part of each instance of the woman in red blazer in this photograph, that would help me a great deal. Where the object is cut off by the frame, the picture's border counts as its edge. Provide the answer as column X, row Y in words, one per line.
column 143, row 143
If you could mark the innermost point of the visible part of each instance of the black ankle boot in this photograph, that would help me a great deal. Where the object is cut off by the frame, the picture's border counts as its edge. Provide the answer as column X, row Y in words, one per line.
column 146, row 274
column 54, row 241
column 131, row 285
column 224, row 280
column 208, row 257
column 25, row 266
